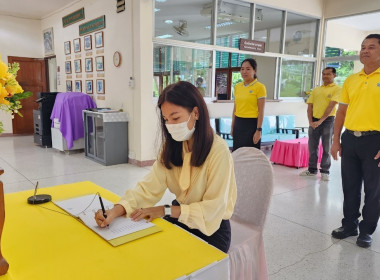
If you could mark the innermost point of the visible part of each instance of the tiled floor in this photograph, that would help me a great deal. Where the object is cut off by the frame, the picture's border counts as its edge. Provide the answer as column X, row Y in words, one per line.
column 303, row 210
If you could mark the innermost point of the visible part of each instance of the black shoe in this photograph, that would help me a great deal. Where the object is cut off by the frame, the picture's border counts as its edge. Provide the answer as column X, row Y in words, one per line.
column 364, row 240
column 342, row 233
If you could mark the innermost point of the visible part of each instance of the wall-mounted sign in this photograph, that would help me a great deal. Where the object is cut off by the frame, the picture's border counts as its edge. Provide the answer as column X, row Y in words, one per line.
column 73, row 17
column 120, row 6
column 251, row 45
column 92, row 25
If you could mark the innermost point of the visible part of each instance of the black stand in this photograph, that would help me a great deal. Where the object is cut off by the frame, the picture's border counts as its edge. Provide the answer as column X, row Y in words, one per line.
column 39, row 198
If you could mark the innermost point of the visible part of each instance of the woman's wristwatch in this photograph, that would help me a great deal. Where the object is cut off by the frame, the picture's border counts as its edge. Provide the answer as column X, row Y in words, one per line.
column 168, row 210
column 259, row 129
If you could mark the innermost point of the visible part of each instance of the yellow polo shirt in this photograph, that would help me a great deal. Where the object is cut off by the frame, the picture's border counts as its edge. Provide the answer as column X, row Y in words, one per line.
column 322, row 96
column 246, row 99
column 361, row 92
column 207, row 194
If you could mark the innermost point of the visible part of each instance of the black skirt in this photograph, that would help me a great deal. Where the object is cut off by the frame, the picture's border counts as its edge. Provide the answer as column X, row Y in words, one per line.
column 220, row 239
column 244, row 129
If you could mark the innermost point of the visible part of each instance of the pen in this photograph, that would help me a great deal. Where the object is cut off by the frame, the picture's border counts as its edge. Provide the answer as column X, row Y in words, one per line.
column 102, row 205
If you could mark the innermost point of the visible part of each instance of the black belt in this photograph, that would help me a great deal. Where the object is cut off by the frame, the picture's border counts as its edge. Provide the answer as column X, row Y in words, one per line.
column 363, row 133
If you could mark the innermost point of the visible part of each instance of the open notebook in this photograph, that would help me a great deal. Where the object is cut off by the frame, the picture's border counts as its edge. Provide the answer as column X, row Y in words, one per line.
column 120, row 231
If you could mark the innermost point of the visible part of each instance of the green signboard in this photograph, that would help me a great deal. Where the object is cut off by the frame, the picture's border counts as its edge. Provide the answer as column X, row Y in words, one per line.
column 73, row 17
column 92, row 25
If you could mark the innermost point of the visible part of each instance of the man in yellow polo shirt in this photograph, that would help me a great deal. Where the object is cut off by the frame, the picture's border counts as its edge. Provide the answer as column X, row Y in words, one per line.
column 321, row 113
column 359, row 146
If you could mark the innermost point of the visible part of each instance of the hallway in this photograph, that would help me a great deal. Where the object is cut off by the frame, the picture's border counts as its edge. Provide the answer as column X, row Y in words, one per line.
column 302, row 215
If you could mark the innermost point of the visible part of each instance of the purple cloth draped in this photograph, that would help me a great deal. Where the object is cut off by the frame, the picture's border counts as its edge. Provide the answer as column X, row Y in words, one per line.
column 68, row 109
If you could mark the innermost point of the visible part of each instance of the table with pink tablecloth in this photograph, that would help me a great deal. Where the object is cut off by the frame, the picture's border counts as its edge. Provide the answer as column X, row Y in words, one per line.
column 293, row 152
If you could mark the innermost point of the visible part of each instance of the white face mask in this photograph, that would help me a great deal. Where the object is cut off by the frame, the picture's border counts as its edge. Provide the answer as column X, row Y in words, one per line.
column 180, row 131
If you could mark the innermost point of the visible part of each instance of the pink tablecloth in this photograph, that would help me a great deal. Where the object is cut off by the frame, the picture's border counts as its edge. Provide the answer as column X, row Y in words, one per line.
column 293, row 152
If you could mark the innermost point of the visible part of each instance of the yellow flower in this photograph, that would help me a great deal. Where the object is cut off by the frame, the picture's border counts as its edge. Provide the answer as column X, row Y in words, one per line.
column 3, row 69
column 3, row 93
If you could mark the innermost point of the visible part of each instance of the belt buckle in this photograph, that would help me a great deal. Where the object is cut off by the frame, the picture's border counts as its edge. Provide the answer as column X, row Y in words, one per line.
column 357, row 133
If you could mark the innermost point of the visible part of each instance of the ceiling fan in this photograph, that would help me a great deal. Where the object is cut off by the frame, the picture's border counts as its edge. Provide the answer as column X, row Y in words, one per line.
column 180, row 29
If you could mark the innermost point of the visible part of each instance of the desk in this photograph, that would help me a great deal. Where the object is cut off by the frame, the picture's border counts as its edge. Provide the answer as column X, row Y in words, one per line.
column 293, row 152
column 42, row 244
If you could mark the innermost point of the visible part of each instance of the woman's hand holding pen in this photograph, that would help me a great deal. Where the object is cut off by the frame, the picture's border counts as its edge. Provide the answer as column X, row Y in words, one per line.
column 111, row 214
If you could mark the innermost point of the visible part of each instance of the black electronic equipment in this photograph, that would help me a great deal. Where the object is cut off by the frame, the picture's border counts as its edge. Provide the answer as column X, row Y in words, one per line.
column 41, row 118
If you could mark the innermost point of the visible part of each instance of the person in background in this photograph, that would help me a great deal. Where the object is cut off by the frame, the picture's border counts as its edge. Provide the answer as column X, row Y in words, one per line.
column 248, row 113
column 199, row 83
column 194, row 163
column 359, row 146
column 321, row 114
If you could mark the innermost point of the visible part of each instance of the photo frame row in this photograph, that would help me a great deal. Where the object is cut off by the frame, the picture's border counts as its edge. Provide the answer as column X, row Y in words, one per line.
column 88, row 65
column 87, row 43
column 89, row 87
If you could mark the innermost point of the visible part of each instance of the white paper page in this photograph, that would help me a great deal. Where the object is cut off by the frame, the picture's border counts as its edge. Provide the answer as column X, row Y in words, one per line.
column 119, row 227
column 88, row 203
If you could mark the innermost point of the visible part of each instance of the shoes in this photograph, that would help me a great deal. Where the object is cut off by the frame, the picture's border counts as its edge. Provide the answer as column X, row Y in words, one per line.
column 325, row 177
column 307, row 173
column 342, row 233
column 364, row 240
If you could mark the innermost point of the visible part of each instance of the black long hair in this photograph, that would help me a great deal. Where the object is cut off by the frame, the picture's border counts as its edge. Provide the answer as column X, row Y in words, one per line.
column 186, row 95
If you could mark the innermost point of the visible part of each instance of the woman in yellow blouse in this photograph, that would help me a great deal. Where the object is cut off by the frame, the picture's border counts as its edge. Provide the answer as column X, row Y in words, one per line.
column 248, row 114
column 194, row 164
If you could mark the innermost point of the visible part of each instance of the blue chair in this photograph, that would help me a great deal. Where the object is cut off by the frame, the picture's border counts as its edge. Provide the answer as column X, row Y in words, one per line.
column 286, row 124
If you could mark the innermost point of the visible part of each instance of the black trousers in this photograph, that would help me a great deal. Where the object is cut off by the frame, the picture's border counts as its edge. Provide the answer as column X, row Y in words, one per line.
column 358, row 167
column 244, row 129
column 324, row 132
column 220, row 239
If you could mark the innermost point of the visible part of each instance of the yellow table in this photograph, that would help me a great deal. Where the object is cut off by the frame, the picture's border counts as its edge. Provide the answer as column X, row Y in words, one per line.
column 42, row 244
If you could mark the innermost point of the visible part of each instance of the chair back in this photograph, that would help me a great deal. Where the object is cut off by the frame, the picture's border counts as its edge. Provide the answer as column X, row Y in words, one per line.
column 286, row 121
column 269, row 125
column 254, row 180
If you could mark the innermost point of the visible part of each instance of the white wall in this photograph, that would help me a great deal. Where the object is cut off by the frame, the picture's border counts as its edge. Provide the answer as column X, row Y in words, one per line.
column 19, row 37
column 338, row 8
column 343, row 36
column 128, row 33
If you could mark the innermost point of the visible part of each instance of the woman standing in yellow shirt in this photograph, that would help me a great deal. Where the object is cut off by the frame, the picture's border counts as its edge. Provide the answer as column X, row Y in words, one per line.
column 194, row 163
column 248, row 114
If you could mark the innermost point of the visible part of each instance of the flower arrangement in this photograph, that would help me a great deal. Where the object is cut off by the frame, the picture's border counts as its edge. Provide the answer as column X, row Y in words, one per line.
column 10, row 91
column 306, row 95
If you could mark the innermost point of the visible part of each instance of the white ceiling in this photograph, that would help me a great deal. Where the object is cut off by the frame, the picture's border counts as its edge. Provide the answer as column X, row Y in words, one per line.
column 365, row 22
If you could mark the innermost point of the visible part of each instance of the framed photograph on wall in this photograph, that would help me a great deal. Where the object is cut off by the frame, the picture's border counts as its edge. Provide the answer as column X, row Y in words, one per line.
column 76, row 45
column 88, row 42
column 68, row 47
column 100, row 86
column 69, row 86
column 48, row 41
column 89, row 86
column 99, row 42
column 78, row 66
column 68, row 67
column 78, row 86
column 88, row 64
column 99, row 62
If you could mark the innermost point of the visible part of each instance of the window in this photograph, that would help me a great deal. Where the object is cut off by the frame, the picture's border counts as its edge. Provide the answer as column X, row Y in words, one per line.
column 194, row 25
column 187, row 64
column 268, row 25
column 296, row 78
column 233, row 23
column 301, row 34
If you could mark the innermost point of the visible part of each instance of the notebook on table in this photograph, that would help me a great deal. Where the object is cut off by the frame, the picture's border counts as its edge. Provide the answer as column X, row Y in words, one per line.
column 120, row 231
